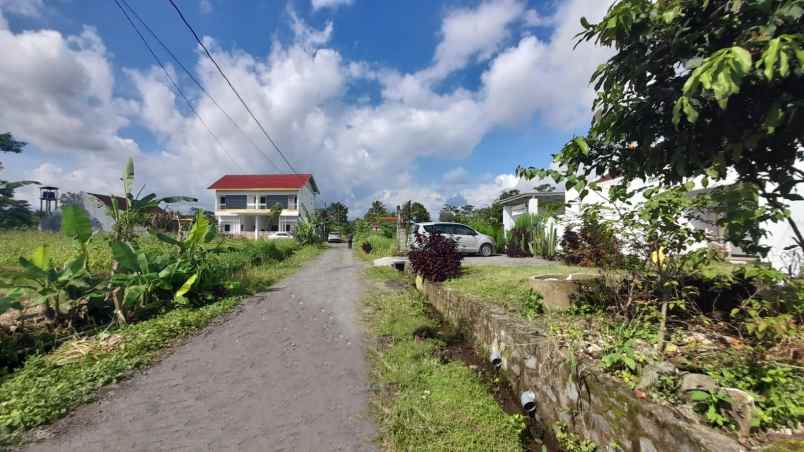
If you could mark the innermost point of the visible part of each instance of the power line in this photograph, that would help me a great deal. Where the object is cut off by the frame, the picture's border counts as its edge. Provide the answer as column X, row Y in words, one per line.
column 198, row 84
column 175, row 85
column 217, row 66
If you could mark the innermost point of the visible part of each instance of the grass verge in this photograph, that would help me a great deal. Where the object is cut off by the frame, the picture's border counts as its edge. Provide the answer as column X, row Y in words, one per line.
column 506, row 286
column 381, row 246
column 427, row 404
column 48, row 386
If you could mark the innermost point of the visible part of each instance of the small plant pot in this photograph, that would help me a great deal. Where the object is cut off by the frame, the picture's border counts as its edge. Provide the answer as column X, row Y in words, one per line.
column 557, row 290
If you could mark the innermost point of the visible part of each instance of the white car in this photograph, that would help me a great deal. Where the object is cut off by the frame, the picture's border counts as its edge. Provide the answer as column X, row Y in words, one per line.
column 274, row 235
column 334, row 237
column 469, row 241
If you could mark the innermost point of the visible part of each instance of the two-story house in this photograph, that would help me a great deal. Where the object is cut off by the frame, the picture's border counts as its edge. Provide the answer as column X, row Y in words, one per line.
column 243, row 202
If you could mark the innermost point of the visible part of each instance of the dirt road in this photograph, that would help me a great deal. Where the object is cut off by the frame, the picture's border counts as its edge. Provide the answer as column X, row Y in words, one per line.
column 286, row 373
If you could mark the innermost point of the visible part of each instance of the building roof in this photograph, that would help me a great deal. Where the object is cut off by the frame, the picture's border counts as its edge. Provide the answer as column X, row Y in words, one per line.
column 523, row 197
column 264, row 181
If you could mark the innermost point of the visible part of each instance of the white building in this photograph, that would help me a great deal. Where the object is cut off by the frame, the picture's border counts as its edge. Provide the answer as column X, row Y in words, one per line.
column 243, row 202
column 779, row 235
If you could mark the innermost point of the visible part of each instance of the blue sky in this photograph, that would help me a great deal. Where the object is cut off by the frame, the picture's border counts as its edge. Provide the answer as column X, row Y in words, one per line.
column 380, row 100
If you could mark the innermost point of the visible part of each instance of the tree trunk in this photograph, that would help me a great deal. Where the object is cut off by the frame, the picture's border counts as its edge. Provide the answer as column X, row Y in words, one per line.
column 118, row 306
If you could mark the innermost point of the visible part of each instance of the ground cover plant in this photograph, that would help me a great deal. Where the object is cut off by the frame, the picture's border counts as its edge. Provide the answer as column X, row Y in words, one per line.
column 49, row 385
column 374, row 246
column 426, row 404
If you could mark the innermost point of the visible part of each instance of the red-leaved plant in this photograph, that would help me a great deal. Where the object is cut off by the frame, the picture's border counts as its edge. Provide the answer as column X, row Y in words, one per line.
column 435, row 257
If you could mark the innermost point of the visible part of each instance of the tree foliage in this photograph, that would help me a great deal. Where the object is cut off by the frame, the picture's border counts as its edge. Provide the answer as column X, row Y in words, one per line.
column 696, row 88
column 376, row 210
column 14, row 213
column 413, row 211
column 337, row 213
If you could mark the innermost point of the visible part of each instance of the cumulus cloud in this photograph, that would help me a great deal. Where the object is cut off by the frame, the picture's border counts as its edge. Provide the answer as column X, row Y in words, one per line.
column 472, row 33
column 321, row 4
column 31, row 8
column 359, row 151
column 58, row 93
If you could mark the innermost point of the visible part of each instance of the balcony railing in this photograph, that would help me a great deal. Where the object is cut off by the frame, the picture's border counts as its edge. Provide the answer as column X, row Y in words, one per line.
column 256, row 206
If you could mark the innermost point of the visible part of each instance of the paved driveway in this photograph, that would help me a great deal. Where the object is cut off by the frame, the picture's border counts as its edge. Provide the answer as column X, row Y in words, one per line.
column 285, row 373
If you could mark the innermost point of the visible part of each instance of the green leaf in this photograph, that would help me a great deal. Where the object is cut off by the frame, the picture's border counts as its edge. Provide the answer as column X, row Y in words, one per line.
column 11, row 300
column 582, row 145
column 133, row 294
column 743, row 57
column 770, row 56
column 198, row 231
column 167, row 239
column 128, row 176
column 699, row 396
column 39, row 257
column 125, row 256
column 186, row 286
column 75, row 223
column 629, row 362
column 175, row 199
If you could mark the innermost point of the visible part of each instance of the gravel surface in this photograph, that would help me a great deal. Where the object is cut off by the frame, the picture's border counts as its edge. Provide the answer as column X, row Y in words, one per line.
column 285, row 373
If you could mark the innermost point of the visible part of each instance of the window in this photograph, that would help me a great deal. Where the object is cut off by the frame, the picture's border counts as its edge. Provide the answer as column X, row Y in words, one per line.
column 287, row 228
column 223, row 201
column 263, row 200
column 227, row 227
column 462, row 230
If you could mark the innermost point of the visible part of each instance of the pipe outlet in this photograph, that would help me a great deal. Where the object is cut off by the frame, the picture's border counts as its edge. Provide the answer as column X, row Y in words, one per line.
column 496, row 360
column 528, row 401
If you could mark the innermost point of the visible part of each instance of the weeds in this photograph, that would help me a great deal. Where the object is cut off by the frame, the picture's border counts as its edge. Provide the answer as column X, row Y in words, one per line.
column 428, row 405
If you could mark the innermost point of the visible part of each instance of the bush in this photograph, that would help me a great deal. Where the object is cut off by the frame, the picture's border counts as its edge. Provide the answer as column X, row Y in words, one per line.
column 435, row 257
column 366, row 247
column 594, row 246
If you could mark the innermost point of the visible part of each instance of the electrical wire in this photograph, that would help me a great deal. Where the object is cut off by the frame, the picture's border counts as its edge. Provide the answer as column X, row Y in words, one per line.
column 234, row 90
column 176, row 87
column 197, row 83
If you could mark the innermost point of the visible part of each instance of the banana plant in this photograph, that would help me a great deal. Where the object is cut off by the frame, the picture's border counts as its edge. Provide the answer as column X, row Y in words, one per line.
column 132, row 210
column 56, row 288
column 141, row 276
column 201, row 233
column 47, row 284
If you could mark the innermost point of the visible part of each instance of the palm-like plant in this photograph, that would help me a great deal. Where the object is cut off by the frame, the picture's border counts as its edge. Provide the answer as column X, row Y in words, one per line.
column 133, row 210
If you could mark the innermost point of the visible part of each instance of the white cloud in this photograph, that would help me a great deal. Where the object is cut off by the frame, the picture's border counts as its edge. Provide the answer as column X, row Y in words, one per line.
column 205, row 6
column 320, row 4
column 472, row 33
column 58, row 92
column 31, row 8
column 549, row 78
column 534, row 19
column 63, row 88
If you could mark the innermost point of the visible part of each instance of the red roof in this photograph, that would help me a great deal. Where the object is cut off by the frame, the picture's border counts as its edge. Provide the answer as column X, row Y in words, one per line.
column 257, row 181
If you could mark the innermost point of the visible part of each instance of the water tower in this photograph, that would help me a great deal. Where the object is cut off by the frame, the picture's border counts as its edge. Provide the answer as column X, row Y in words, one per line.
column 48, row 199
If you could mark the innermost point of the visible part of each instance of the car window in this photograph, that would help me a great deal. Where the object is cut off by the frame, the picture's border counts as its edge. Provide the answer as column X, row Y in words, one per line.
column 462, row 230
column 430, row 228
column 444, row 228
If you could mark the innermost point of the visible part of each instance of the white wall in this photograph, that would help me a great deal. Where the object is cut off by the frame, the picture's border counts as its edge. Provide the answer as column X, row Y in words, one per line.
column 780, row 235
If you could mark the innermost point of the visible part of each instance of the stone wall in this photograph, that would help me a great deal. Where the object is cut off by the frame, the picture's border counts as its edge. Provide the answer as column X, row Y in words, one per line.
column 592, row 403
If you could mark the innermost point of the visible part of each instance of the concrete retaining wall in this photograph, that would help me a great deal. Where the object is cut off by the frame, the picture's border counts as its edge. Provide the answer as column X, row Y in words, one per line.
column 593, row 404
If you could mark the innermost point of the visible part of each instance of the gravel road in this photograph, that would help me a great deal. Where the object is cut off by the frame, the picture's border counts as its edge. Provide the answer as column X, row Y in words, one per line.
column 285, row 373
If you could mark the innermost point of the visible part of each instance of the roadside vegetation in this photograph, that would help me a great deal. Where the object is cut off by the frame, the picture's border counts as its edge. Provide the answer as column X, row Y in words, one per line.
column 427, row 401
column 80, row 309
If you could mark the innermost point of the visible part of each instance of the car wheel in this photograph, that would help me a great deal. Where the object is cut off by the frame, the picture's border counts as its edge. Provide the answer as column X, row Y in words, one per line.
column 486, row 250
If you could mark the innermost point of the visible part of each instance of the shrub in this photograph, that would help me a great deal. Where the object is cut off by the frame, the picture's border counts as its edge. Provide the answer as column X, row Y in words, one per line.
column 435, row 257
column 595, row 245
column 518, row 243
column 366, row 247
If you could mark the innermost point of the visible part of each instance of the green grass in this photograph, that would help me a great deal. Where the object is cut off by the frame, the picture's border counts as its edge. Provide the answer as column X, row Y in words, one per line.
column 506, row 286
column 43, row 391
column 381, row 246
column 427, row 405
column 14, row 244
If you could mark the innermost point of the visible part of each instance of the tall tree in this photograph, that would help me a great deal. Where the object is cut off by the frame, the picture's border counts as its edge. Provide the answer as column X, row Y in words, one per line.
column 14, row 213
column 698, row 88
column 377, row 209
column 414, row 211
column 337, row 213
